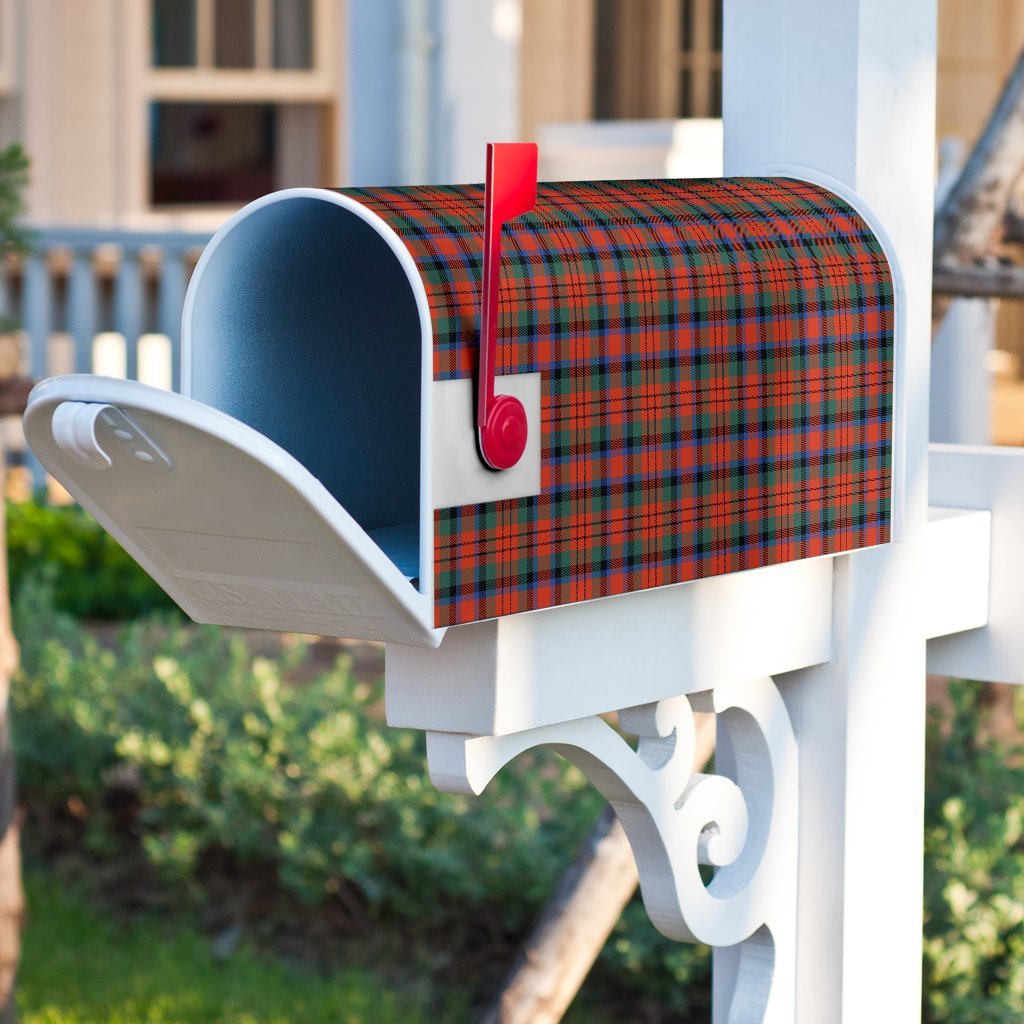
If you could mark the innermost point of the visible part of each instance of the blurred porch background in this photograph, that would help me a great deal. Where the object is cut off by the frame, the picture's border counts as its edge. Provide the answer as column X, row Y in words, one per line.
column 150, row 123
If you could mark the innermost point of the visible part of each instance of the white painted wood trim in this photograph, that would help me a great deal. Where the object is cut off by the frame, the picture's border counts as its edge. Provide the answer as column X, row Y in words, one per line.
column 987, row 478
column 957, row 584
column 231, row 85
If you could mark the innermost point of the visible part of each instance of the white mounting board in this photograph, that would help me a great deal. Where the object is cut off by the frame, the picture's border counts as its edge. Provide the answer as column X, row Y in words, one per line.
column 229, row 524
column 523, row 671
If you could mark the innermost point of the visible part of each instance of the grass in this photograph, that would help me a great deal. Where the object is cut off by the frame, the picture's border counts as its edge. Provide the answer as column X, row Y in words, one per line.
column 79, row 968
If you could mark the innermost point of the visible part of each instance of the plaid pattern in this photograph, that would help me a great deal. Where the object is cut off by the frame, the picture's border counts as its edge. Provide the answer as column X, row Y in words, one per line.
column 717, row 380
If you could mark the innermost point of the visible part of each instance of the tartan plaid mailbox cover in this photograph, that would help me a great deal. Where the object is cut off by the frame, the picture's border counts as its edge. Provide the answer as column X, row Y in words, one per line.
column 706, row 368
column 716, row 367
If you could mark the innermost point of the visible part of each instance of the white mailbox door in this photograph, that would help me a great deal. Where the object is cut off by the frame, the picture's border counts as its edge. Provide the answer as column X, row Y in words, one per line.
column 231, row 526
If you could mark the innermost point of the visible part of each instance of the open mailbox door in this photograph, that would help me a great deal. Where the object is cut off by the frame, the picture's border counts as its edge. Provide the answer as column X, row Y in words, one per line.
column 234, row 528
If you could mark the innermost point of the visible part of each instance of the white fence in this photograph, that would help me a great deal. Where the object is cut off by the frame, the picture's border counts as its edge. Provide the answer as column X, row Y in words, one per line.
column 93, row 301
column 102, row 301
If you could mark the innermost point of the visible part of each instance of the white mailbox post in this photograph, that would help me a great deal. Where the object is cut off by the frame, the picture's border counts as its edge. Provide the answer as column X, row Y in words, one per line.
column 521, row 604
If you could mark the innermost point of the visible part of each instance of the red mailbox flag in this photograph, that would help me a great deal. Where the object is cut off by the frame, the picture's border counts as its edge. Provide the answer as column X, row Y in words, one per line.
column 511, row 191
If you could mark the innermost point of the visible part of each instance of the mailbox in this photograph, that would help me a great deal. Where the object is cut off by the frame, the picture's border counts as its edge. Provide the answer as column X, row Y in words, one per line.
column 704, row 370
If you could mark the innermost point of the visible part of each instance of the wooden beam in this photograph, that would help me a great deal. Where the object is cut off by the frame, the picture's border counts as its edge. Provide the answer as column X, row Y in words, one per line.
column 977, row 203
column 1005, row 282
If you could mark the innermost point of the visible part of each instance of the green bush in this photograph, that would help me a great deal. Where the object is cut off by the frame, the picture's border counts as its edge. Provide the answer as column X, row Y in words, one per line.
column 227, row 757
column 974, row 869
column 90, row 573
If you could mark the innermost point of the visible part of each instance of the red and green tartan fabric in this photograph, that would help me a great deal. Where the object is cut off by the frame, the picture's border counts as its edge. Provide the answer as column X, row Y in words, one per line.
column 717, row 381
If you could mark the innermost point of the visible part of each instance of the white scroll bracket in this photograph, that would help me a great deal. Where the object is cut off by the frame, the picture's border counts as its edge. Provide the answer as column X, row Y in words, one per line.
column 742, row 823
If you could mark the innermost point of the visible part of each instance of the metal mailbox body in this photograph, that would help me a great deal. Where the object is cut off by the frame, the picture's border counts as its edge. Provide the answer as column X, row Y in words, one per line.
column 707, row 366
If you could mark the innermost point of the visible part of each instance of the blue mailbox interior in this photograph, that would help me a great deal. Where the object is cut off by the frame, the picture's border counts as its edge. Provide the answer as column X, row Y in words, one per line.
column 304, row 326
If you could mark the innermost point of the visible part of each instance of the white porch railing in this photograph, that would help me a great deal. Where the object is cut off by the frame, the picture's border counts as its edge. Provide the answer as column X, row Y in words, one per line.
column 99, row 301
column 102, row 301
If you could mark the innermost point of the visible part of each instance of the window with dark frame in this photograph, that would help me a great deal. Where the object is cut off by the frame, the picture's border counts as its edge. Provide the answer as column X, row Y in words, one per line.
column 203, row 151
column 233, row 34
column 174, row 33
column 211, row 153
column 657, row 58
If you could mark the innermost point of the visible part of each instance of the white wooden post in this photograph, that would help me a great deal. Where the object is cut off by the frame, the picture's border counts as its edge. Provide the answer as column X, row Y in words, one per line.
column 848, row 89
column 479, row 68
column 961, row 388
column 961, row 383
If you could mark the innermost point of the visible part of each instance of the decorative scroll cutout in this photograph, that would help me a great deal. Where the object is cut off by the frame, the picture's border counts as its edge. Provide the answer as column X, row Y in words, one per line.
column 742, row 821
